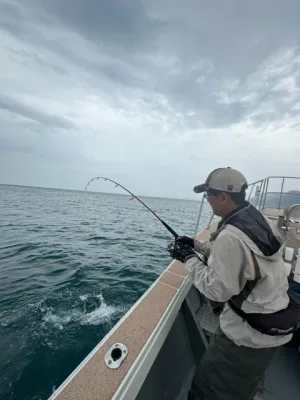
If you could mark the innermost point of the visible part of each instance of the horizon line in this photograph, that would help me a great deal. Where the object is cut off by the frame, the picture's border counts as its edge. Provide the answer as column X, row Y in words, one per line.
column 90, row 191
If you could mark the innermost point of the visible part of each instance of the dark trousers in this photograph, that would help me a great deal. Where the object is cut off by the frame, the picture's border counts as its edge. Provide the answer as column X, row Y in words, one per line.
column 230, row 372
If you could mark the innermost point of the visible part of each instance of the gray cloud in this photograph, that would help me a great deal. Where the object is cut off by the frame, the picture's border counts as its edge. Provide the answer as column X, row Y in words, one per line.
column 143, row 81
column 115, row 23
column 24, row 110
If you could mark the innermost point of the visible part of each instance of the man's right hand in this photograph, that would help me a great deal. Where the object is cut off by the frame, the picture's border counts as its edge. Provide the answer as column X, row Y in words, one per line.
column 185, row 240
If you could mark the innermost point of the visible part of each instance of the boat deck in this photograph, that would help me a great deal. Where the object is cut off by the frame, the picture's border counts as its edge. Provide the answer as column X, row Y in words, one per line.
column 292, row 235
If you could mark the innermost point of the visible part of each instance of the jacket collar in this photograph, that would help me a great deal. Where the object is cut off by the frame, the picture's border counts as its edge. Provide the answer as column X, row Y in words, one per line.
column 232, row 213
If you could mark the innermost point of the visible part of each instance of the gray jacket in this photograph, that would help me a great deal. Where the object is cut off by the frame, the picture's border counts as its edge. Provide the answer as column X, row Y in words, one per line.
column 230, row 265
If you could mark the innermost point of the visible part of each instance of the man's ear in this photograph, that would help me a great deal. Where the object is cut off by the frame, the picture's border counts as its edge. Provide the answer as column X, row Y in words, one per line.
column 224, row 196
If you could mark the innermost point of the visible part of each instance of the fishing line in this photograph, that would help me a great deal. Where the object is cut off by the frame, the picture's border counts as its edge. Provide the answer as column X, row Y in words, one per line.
column 138, row 199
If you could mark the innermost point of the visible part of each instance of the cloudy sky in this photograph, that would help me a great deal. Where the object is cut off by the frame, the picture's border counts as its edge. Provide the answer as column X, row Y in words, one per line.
column 153, row 93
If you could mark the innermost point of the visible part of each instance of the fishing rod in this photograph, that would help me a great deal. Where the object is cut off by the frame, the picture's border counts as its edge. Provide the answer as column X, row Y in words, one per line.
column 172, row 247
column 138, row 199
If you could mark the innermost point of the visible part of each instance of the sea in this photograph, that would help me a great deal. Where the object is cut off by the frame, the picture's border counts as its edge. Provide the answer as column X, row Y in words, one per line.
column 72, row 263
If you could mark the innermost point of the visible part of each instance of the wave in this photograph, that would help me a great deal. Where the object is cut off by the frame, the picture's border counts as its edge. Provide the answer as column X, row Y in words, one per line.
column 18, row 249
column 92, row 310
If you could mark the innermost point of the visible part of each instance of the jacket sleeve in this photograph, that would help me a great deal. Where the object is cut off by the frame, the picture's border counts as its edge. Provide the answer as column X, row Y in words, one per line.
column 203, row 247
column 222, row 278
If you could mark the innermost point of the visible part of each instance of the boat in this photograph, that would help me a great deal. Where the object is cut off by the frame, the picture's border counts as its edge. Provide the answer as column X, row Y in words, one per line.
column 152, row 352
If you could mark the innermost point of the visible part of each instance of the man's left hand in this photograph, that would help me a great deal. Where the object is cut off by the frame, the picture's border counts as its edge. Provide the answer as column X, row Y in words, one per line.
column 180, row 251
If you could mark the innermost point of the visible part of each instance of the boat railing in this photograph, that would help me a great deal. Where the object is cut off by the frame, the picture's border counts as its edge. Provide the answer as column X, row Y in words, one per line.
column 262, row 191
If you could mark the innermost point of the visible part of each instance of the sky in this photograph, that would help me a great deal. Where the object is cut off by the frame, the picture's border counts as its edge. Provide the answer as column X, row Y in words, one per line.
column 154, row 94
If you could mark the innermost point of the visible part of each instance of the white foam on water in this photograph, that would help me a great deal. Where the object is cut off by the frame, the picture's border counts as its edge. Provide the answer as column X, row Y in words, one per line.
column 100, row 314
column 58, row 321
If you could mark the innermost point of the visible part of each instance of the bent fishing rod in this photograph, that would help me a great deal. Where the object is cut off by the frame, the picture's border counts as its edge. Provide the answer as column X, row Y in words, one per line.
column 138, row 199
column 172, row 247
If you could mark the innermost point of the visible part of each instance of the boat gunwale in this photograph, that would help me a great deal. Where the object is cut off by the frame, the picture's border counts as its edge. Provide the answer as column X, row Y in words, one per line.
column 170, row 277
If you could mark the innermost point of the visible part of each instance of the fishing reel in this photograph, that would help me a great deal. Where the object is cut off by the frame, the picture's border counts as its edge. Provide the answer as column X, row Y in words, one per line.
column 180, row 251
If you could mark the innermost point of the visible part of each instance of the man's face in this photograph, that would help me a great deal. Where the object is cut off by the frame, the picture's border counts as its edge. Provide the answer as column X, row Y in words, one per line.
column 218, row 202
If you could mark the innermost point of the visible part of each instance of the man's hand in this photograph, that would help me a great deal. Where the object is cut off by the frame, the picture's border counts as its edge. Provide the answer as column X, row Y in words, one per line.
column 180, row 251
column 185, row 240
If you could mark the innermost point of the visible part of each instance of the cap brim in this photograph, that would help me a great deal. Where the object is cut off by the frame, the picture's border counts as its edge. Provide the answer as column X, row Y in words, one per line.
column 200, row 188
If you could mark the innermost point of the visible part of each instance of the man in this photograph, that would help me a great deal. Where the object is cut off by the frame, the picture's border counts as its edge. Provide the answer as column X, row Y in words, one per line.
column 245, row 271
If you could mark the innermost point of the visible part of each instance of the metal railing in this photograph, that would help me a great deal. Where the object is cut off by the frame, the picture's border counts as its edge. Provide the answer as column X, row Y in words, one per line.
column 262, row 191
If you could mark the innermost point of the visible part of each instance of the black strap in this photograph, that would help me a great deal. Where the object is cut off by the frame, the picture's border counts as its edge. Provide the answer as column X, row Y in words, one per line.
column 250, row 285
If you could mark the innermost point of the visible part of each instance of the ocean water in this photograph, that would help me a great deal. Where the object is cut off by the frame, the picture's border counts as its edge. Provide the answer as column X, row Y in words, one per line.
column 71, row 265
